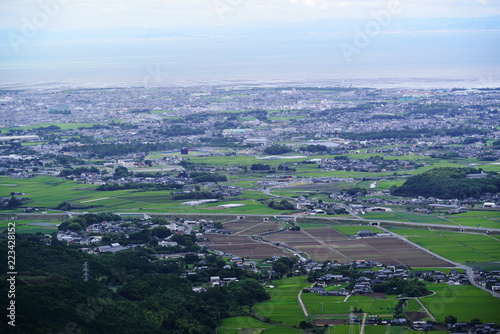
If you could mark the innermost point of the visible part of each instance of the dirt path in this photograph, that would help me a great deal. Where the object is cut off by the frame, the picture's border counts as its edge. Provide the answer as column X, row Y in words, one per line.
column 426, row 310
column 325, row 244
column 302, row 304
column 362, row 330
column 250, row 227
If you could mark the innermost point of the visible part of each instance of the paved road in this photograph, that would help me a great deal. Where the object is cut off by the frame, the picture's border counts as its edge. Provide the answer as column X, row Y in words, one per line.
column 354, row 219
column 267, row 191
column 468, row 270
column 437, row 226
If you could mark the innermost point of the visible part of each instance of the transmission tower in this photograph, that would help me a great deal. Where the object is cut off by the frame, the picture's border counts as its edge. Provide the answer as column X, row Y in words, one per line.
column 85, row 271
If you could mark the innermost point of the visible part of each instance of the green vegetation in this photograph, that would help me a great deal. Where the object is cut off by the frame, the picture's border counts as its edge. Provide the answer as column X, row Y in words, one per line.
column 460, row 247
column 465, row 302
column 277, row 150
column 336, row 308
column 244, row 322
column 49, row 192
column 283, row 307
column 402, row 134
column 448, row 183
column 123, row 293
column 354, row 229
column 398, row 286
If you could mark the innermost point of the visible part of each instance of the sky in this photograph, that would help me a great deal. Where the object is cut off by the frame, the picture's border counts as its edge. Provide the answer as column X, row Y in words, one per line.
column 222, row 41
column 62, row 15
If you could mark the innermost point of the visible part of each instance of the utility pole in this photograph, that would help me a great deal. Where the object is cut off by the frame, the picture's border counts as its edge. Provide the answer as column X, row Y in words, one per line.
column 85, row 271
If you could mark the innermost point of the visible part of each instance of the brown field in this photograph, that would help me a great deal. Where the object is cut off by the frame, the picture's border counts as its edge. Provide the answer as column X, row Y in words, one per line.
column 302, row 242
column 396, row 251
column 320, row 244
column 327, row 234
column 289, row 237
column 245, row 227
column 243, row 246
column 323, row 244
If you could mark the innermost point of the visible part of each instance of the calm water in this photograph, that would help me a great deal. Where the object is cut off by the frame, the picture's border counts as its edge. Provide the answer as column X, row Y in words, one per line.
column 452, row 59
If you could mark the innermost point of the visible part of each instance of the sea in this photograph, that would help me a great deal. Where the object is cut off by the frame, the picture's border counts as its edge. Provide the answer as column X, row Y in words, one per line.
column 424, row 59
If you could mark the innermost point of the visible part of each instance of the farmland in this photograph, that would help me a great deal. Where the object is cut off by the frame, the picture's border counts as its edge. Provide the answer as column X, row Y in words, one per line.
column 460, row 247
column 247, row 324
column 353, row 230
column 284, row 306
column 337, row 308
column 463, row 301
column 243, row 246
column 48, row 192
column 329, row 244
column 251, row 227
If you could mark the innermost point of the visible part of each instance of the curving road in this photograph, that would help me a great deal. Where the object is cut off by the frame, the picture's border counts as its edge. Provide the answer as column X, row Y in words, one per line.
column 468, row 270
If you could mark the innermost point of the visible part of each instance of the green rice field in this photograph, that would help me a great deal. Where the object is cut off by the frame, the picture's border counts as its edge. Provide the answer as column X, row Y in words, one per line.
column 407, row 217
column 465, row 302
column 354, row 229
column 283, row 307
column 336, row 307
column 48, row 192
column 460, row 247
column 488, row 219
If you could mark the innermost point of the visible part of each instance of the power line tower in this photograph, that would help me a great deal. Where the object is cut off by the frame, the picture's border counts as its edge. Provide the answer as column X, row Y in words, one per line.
column 85, row 271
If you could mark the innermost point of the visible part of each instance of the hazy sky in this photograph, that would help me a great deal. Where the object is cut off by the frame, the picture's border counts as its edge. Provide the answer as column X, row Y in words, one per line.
column 75, row 14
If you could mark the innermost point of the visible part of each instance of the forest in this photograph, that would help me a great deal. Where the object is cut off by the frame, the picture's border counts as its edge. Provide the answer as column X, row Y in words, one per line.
column 448, row 183
column 127, row 292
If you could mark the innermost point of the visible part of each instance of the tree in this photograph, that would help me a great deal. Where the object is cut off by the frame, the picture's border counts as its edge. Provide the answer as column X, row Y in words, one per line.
column 161, row 232
column 260, row 167
column 13, row 203
column 283, row 205
column 141, row 236
column 191, row 258
column 64, row 206
column 159, row 221
column 121, row 172
column 277, row 150
column 450, row 319
column 305, row 325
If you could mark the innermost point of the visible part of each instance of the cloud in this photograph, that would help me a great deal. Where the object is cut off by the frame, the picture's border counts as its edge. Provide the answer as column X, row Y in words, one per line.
column 187, row 13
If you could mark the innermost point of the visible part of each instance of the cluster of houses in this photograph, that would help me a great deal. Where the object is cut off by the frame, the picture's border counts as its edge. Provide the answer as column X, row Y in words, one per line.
column 421, row 204
column 370, row 276
column 488, row 279
column 367, row 165
column 464, row 327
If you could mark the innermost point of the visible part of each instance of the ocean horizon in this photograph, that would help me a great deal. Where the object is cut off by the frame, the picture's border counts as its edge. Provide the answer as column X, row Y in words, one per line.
column 468, row 59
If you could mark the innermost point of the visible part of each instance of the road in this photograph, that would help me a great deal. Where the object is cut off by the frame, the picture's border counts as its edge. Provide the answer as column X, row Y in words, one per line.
column 304, row 309
column 468, row 270
column 396, row 222
column 426, row 310
column 362, row 330
column 325, row 244
column 267, row 191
